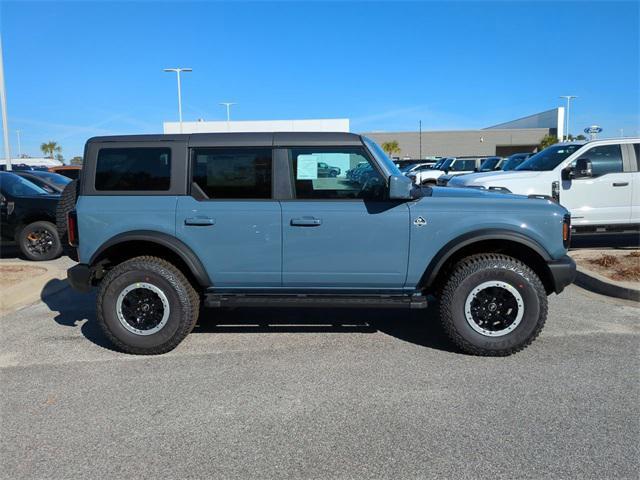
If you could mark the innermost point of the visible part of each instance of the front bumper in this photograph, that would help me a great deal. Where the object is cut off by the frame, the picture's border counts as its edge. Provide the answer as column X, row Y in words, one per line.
column 79, row 277
column 563, row 272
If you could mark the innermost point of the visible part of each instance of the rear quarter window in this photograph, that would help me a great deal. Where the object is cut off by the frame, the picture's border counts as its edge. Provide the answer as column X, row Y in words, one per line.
column 133, row 169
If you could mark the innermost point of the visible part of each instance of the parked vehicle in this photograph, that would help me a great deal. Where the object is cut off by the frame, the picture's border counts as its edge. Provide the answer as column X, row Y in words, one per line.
column 163, row 223
column 512, row 161
column 490, row 164
column 50, row 182
column 325, row 170
column 451, row 167
column 598, row 181
column 27, row 216
column 71, row 171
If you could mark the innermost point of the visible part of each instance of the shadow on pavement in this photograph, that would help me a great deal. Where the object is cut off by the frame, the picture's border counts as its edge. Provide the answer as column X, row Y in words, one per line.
column 420, row 327
column 73, row 308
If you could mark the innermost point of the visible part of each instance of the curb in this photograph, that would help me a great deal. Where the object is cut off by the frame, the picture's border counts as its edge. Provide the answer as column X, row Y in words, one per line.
column 598, row 284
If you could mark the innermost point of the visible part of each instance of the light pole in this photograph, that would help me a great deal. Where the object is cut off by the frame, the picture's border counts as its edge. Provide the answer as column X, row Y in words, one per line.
column 3, row 102
column 228, row 105
column 19, row 144
column 569, row 98
column 178, row 71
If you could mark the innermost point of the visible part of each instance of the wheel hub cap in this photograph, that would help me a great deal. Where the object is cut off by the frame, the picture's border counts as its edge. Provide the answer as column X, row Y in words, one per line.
column 142, row 308
column 494, row 308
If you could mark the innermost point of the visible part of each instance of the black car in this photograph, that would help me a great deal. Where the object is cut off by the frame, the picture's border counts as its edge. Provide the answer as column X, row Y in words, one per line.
column 52, row 183
column 28, row 217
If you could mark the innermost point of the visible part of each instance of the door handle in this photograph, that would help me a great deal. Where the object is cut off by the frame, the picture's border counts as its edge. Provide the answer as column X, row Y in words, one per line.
column 199, row 221
column 620, row 184
column 306, row 222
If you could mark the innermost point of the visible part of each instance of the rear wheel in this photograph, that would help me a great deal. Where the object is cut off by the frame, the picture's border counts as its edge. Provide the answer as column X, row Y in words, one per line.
column 147, row 306
column 493, row 304
column 39, row 241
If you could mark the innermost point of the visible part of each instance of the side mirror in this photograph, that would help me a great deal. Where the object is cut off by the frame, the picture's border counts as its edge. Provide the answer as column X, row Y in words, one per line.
column 583, row 169
column 400, row 187
column 566, row 173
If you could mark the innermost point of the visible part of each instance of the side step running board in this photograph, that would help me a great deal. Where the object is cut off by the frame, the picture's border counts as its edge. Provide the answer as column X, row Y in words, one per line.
column 320, row 301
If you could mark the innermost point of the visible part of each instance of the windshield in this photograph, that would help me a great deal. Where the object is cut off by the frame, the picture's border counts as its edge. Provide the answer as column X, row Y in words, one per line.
column 408, row 167
column 445, row 165
column 16, row 186
column 381, row 157
column 489, row 164
column 55, row 178
column 549, row 158
column 513, row 161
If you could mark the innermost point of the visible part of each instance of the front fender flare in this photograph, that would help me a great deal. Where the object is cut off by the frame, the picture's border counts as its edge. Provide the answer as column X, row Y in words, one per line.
column 476, row 236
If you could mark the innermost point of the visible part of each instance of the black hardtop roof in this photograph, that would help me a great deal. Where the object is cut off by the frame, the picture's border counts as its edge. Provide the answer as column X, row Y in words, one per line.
column 233, row 139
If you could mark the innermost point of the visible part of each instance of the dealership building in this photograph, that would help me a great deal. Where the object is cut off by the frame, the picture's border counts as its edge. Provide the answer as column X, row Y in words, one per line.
column 521, row 135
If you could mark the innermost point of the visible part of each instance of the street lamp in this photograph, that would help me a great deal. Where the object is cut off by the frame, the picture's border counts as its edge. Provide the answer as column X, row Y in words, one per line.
column 19, row 144
column 178, row 71
column 3, row 105
column 569, row 98
column 228, row 105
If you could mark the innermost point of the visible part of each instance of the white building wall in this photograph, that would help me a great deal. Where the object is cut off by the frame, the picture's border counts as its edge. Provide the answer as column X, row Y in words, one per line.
column 317, row 125
column 33, row 162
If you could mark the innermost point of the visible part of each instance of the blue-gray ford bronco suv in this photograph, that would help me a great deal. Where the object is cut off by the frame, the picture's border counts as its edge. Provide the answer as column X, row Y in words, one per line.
column 163, row 224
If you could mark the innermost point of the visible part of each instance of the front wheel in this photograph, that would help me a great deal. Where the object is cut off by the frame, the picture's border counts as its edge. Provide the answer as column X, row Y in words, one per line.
column 492, row 305
column 39, row 241
column 147, row 306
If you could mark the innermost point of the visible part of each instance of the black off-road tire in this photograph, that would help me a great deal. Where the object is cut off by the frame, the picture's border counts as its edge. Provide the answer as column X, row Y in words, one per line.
column 470, row 273
column 54, row 250
column 183, row 300
column 428, row 183
column 66, row 204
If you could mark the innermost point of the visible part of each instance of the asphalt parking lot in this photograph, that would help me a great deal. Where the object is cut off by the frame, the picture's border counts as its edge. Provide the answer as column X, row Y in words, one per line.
column 320, row 394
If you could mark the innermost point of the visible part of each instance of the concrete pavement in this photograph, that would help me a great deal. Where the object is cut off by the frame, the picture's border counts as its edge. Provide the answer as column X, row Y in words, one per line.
column 320, row 394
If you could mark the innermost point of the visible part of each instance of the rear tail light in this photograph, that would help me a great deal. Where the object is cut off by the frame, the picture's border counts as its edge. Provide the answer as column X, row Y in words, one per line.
column 72, row 228
column 566, row 230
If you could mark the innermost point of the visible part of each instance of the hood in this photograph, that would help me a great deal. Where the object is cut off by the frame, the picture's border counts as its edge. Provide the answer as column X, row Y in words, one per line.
column 488, row 178
column 452, row 192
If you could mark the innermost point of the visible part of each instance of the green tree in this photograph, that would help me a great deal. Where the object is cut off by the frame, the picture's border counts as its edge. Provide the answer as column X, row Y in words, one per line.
column 547, row 141
column 76, row 161
column 391, row 147
column 50, row 148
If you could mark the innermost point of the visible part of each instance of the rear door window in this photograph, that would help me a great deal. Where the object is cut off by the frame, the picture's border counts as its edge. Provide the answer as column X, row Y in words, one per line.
column 223, row 173
column 133, row 169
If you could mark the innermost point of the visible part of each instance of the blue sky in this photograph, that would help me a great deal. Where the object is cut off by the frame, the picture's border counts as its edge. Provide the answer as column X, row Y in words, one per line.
column 78, row 69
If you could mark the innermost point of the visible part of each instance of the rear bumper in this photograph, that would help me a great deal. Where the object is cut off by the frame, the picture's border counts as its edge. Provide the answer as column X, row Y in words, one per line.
column 563, row 272
column 79, row 277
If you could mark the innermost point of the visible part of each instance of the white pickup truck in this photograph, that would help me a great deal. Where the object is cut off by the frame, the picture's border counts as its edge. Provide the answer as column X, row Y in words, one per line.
column 598, row 181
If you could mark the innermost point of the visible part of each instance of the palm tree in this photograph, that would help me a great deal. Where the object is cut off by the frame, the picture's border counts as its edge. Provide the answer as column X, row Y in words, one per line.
column 391, row 147
column 547, row 141
column 50, row 148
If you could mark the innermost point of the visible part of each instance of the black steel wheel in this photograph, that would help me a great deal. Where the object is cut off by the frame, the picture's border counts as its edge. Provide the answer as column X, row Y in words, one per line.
column 39, row 241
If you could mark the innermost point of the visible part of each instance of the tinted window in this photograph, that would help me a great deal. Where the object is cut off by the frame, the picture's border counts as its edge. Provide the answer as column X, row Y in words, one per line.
column 350, row 174
column 463, row 165
column 233, row 172
column 605, row 159
column 133, row 169
column 636, row 147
